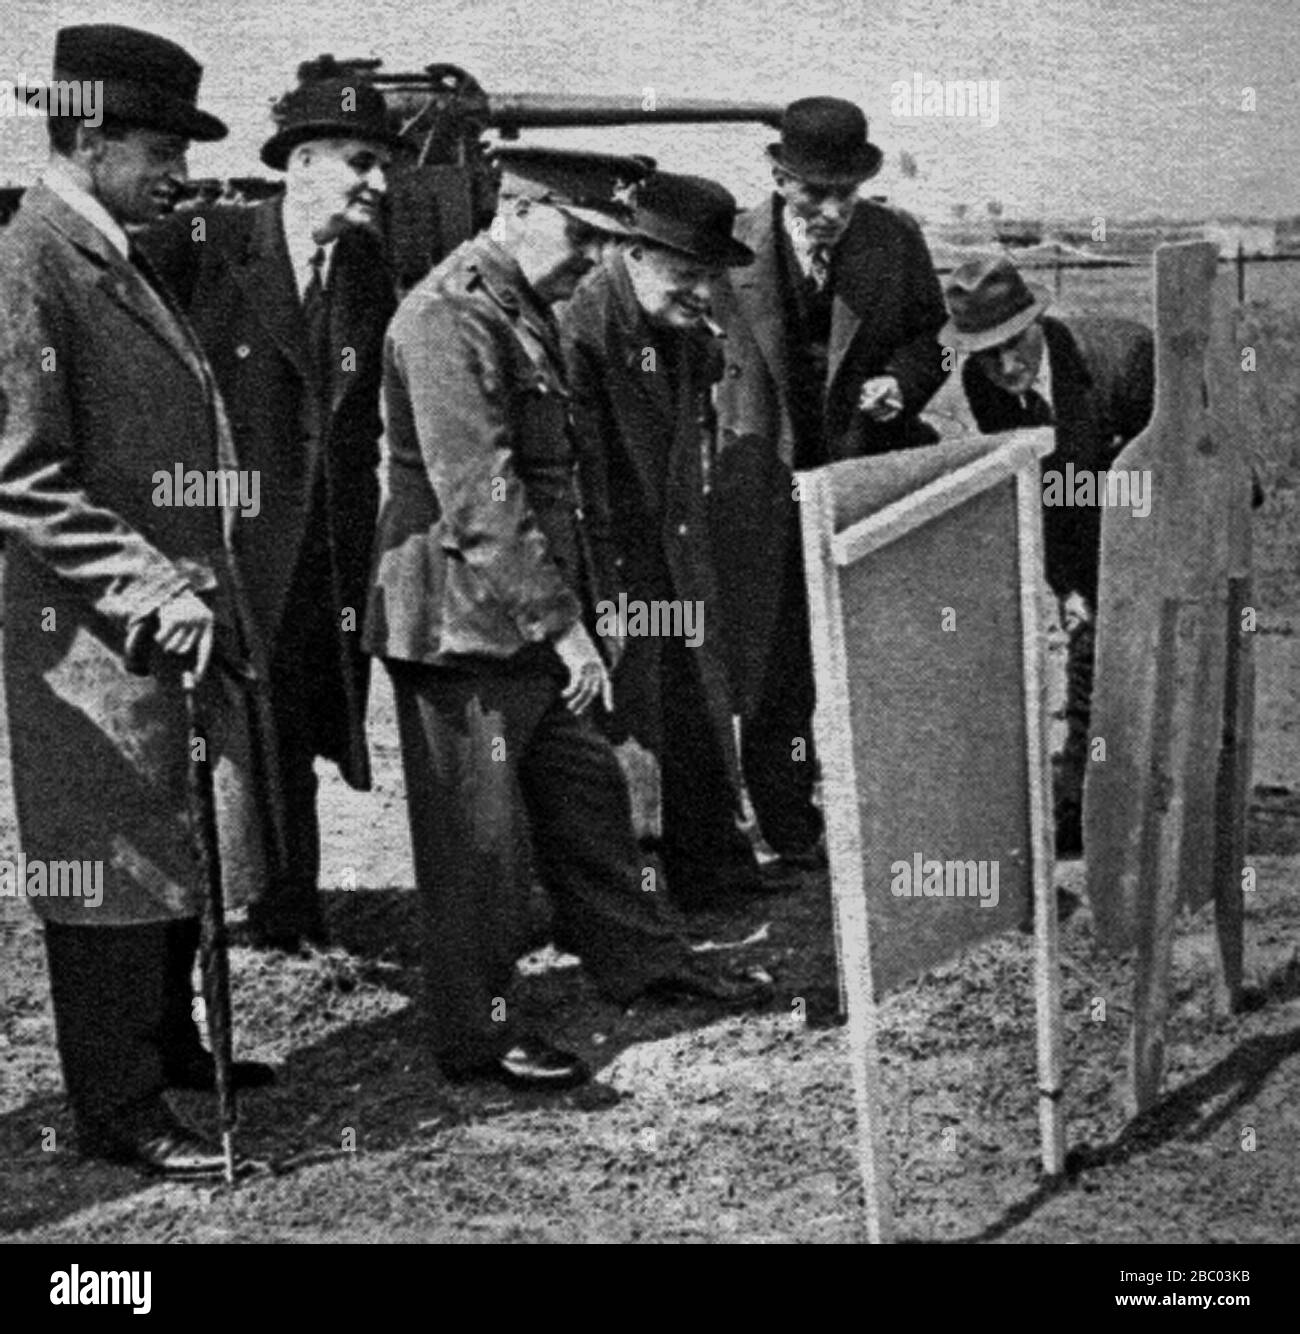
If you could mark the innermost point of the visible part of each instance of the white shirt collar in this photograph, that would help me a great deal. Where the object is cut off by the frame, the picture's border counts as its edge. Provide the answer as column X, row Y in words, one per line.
column 302, row 248
column 60, row 182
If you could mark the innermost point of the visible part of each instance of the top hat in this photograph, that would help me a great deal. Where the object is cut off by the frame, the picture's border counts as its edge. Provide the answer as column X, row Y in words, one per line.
column 147, row 81
column 824, row 141
column 989, row 303
column 690, row 215
column 591, row 187
column 332, row 108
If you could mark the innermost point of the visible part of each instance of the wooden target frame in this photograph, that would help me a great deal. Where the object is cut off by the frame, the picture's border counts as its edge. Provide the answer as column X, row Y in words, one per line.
column 883, row 538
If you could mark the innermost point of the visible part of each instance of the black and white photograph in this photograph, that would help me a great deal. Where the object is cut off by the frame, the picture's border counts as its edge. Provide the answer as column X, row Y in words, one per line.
column 650, row 623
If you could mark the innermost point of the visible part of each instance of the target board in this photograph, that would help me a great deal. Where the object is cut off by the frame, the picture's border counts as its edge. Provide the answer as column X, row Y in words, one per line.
column 923, row 571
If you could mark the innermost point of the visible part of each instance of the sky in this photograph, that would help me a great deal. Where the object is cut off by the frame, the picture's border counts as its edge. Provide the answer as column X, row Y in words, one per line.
column 1105, row 108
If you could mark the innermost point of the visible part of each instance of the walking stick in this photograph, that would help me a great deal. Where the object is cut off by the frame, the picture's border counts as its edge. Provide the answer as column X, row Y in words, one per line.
column 214, row 963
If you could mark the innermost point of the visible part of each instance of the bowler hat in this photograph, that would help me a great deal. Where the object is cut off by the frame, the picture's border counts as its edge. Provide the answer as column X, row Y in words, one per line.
column 989, row 303
column 146, row 80
column 333, row 108
column 691, row 215
column 824, row 141
column 591, row 187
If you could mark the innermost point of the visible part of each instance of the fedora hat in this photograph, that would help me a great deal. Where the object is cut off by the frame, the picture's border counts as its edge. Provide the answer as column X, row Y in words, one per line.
column 590, row 187
column 147, row 81
column 690, row 215
column 989, row 303
column 824, row 141
column 333, row 108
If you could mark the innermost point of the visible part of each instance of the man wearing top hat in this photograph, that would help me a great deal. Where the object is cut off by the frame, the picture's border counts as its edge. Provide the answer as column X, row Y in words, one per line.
column 831, row 352
column 102, row 386
column 642, row 364
column 291, row 298
column 1092, row 378
column 477, row 607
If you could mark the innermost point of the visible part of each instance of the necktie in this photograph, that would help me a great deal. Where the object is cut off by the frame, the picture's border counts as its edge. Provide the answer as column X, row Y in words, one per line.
column 819, row 266
column 1036, row 411
column 316, row 320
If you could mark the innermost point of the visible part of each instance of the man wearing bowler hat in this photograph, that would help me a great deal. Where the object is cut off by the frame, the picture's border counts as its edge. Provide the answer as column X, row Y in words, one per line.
column 102, row 387
column 830, row 353
column 1092, row 378
column 642, row 361
column 477, row 607
column 291, row 298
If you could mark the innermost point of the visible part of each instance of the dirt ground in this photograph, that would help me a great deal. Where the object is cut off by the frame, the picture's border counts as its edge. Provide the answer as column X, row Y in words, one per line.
column 701, row 1128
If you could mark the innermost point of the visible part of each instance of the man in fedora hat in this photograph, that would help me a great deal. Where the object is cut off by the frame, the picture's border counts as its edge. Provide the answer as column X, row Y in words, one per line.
column 291, row 298
column 642, row 361
column 477, row 607
column 1092, row 378
column 102, row 387
column 830, row 353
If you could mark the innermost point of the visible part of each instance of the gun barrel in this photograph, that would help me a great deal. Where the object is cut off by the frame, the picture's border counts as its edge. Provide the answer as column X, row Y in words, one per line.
column 511, row 111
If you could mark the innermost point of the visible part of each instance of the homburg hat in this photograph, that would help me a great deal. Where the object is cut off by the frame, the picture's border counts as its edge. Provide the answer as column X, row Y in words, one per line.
column 146, row 80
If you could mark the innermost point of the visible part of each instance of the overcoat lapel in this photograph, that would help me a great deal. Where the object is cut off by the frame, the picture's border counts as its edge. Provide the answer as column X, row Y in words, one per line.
column 355, row 307
column 1078, row 426
column 631, row 337
column 265, row 273
column 860, row 287
column 119, row 281
column 757, row 290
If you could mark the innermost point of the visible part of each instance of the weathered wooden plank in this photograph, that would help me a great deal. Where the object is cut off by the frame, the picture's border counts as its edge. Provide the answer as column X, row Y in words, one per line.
column 1178, row 550
column 1182, row 629
column 844, row 844
column 1047, row 965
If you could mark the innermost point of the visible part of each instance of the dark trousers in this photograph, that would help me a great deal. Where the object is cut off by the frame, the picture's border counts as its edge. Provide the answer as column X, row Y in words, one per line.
column 780, row 784
column 491, row 756
column 1072, row 762
column 290, row 901
column 703, row 848
column 123, row 1010
column 302, row 698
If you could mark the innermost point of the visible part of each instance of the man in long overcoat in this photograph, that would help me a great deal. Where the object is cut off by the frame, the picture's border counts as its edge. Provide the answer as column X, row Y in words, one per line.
column 830, row 353
column 642, row 365
column 104, row 393
column 290, row 298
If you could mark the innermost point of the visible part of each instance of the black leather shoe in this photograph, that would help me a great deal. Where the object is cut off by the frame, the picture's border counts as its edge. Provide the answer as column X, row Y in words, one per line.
column 197, row 1070
column 153, row 1140
column 532, row 1063
column 693, row 980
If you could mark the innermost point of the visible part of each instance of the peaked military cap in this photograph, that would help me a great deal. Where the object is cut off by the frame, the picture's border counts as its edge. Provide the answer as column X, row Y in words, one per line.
column 591, row 187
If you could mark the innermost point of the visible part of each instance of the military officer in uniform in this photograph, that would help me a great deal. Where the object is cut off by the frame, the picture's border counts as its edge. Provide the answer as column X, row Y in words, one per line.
column 477, row 608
